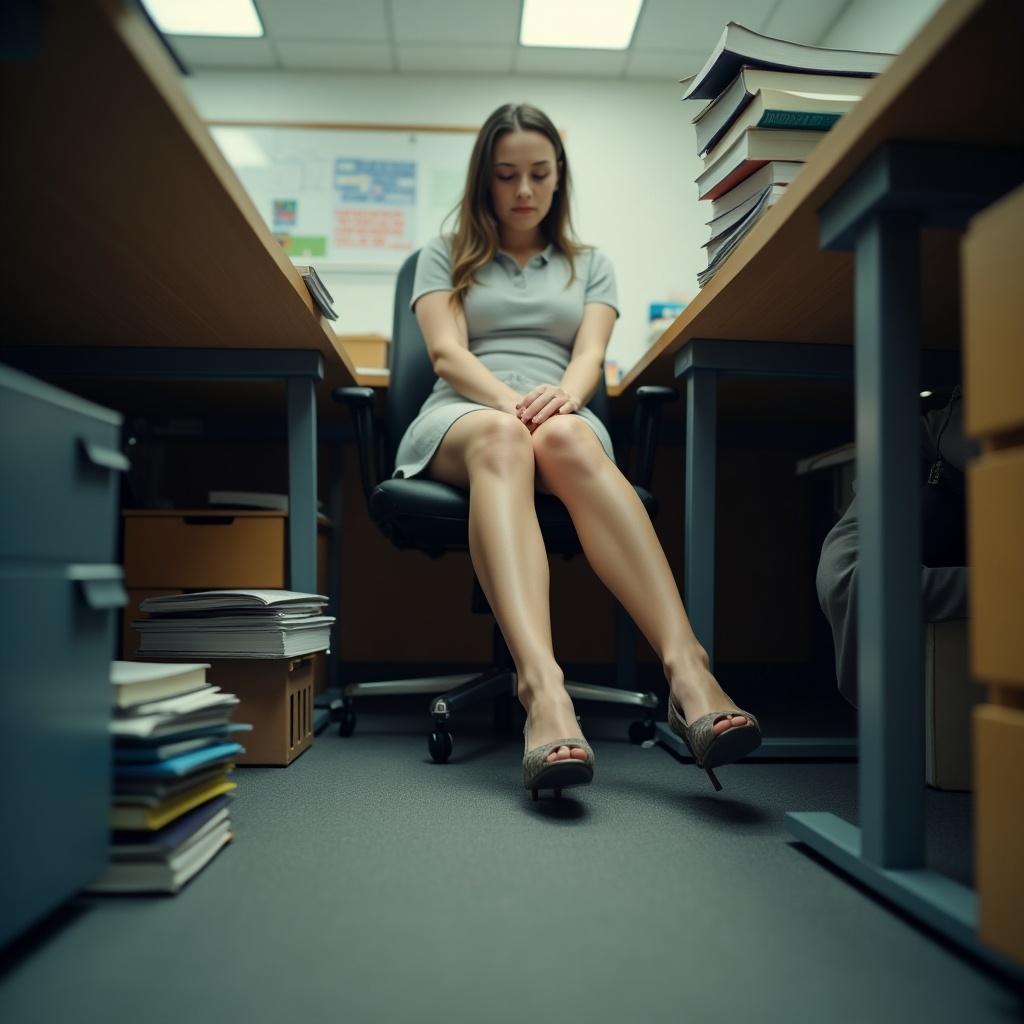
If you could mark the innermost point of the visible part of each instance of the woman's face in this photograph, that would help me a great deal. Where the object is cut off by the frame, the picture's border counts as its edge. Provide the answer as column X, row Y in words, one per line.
column 523, row 180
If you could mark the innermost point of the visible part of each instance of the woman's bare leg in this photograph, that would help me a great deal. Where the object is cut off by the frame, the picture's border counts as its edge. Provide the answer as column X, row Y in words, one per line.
column 620, row 543
column 490, row 455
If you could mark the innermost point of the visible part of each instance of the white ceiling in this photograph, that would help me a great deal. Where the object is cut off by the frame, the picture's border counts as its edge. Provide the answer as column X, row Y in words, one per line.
column 672, row 40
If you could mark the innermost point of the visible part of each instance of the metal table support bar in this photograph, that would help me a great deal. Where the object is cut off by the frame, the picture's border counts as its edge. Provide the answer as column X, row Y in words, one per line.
column 299, row 369
column 700, row 363
column 879, row 213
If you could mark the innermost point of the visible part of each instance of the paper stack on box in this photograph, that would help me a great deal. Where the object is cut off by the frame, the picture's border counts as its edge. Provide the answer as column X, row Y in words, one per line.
column 234, row 624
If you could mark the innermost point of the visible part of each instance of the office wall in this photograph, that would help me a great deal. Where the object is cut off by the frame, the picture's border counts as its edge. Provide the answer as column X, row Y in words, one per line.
column 879, row 24
column 630, row 146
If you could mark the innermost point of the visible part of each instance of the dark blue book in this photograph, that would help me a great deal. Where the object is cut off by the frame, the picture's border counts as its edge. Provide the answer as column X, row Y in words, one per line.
column 171, row 836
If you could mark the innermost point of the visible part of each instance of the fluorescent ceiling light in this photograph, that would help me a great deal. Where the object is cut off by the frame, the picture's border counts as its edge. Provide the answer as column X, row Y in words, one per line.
column 205, row 17
column 586, row 24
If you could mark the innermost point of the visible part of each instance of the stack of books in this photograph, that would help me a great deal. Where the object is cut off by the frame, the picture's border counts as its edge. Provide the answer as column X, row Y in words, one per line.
column 771, row 101
column 234, row 624
column 173, row 753
column 315, row 286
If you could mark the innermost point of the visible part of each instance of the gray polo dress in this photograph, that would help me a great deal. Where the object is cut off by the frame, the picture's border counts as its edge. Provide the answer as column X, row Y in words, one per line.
column 521, row 321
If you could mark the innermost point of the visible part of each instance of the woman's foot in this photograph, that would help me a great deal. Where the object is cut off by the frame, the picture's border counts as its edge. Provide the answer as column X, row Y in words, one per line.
column 550, row 716
column 696, row 692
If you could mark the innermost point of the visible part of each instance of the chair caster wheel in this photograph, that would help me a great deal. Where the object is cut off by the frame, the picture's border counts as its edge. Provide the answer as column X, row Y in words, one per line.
column 440, row 745
column 344, row 716
column 641, row 732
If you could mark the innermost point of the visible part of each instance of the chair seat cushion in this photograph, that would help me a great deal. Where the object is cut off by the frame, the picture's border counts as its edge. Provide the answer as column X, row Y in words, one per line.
column 434, row 517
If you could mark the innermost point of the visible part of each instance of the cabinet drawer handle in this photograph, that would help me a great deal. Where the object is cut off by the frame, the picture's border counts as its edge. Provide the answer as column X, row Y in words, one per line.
column 102, row 586
column 107, row 458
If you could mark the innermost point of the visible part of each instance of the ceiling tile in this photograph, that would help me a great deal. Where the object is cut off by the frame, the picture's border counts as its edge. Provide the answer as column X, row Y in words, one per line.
column 670, row 65
column 695, row 24
column 803, row 21
column 341, row 20
column 543, row 60
column 456, row 21
column 307, row 55
column 455, row 60
column 217, row 52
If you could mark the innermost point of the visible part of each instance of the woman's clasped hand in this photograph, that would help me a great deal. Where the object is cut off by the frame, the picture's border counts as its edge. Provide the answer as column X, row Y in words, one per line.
column 543, row 402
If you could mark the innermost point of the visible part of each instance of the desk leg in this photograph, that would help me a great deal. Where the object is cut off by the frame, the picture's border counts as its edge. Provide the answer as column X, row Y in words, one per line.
column 336, row 510
column 302, row 485
column 699, row 528
column 889, row 643
column 887, row 851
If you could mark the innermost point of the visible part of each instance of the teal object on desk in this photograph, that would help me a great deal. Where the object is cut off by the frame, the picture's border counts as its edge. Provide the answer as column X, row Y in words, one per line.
column 665, row 310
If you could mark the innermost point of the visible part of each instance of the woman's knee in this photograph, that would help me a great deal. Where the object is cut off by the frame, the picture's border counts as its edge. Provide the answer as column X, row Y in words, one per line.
column 499, row 443
column 566, row 443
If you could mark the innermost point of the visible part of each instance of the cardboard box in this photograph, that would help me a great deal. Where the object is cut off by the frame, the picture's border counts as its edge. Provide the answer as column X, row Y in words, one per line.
column 993, row 309
column 995, row 492
column 211, row 549
column 950, row 697
column 366, row 349
column 999, row 828
column 276, row 697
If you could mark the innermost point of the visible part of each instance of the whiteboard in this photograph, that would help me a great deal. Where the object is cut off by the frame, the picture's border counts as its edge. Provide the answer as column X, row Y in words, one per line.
column 349, row 198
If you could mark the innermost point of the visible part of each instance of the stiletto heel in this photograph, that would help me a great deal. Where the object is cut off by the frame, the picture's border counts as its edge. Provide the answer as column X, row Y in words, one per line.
column 710, row 749
column 539, row 773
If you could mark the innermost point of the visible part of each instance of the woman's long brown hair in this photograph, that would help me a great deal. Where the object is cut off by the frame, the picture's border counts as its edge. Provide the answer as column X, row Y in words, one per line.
column 476, row 238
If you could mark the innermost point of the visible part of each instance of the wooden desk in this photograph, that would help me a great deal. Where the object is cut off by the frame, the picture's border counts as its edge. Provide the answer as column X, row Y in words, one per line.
column 134, row 249
column 937, row 138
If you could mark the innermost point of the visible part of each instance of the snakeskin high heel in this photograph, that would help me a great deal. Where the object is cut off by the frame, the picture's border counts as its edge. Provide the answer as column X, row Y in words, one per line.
column 711, row 750
column 539, row 773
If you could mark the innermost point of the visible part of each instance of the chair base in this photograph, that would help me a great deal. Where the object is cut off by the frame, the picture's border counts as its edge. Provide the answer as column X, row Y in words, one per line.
column 496, row 683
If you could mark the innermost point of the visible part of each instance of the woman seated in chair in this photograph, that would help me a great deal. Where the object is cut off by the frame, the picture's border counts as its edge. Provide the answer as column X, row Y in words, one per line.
column 517, row 315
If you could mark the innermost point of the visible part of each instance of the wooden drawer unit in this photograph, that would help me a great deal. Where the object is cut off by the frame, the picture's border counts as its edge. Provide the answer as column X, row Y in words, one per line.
column 61, row 456
column 999, row 827
column 993, row 312
column 207, row 550
column 996, row 535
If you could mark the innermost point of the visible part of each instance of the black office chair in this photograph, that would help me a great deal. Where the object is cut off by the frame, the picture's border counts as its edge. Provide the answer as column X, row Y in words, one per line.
column 433, row 517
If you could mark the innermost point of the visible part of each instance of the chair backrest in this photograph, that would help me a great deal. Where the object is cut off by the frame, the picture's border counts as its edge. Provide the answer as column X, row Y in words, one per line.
column 412, row 374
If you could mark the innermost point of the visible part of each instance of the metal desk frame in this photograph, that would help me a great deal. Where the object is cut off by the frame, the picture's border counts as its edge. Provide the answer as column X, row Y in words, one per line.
column 700, row 364
column 300, row 370
column 879, row 213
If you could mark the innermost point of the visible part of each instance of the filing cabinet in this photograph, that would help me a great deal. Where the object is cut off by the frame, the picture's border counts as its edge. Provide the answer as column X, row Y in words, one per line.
column 59, row 593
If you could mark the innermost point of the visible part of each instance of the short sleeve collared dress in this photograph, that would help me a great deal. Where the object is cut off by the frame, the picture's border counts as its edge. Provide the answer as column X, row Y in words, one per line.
column 522, row 322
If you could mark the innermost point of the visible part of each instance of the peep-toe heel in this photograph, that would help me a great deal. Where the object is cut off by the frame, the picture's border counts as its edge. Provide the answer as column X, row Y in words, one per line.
column 539, row 773
column 710, row 749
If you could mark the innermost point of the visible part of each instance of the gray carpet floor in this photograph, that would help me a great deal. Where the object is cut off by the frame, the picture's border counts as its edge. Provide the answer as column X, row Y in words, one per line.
column 367, row 884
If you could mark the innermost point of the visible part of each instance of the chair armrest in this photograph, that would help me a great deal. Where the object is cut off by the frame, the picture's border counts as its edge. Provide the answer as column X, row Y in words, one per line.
column 646, row 423
column 360, row 405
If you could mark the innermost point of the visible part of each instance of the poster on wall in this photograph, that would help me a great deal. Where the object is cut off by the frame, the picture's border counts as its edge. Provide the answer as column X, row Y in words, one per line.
column 375, row 205
column 347, row 198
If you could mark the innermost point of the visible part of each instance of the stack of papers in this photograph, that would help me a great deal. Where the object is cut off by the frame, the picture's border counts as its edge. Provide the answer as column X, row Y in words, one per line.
column 172, row 759
column 234, row 624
